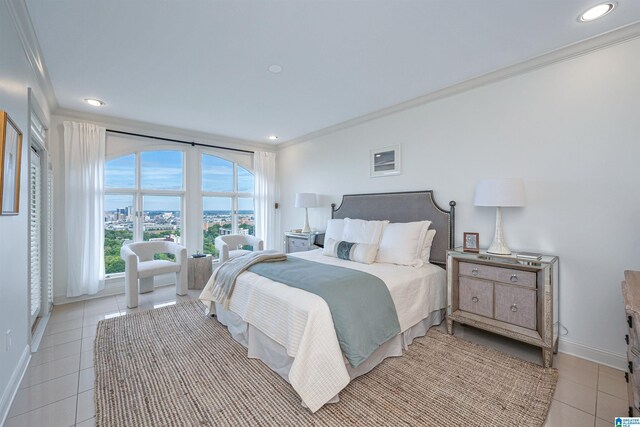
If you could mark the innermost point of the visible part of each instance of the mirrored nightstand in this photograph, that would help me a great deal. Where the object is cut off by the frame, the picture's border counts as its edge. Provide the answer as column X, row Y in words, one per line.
column 300, row 242
column 506, row 295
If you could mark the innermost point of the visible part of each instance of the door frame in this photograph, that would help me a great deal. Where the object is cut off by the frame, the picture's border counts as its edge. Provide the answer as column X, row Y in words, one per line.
column 38, row 144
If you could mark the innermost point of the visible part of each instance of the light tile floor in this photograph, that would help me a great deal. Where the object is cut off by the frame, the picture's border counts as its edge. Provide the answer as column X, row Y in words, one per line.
column 57, row 389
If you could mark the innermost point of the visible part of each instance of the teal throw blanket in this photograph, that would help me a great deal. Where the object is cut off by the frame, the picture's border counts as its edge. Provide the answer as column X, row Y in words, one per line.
column 360, row 303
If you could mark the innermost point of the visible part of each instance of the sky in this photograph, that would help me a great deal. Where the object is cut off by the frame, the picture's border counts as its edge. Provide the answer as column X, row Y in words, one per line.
column 162, row 170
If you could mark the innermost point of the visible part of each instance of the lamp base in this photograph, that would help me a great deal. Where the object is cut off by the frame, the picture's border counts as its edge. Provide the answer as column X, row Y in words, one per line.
column 306, row 228
column 499, row 246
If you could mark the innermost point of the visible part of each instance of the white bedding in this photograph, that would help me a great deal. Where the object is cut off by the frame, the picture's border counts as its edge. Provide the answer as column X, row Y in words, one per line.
column 416, row 292
column 301, row 321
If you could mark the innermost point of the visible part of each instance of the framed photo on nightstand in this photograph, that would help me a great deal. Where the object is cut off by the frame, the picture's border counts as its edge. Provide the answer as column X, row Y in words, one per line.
column 471, row 242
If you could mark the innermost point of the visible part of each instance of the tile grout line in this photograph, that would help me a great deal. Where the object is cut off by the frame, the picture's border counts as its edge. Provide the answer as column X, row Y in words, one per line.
column 75, row 413
column 51, row 379
column 77, row 371
column 50, row 403
column 595, row 416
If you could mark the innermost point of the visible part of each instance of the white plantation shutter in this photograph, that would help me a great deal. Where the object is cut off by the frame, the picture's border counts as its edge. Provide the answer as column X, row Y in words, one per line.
column 35, row 236
column 40, row 215
column 49, row 237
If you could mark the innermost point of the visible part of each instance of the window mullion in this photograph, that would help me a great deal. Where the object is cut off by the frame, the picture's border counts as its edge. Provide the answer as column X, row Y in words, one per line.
column 139, row 213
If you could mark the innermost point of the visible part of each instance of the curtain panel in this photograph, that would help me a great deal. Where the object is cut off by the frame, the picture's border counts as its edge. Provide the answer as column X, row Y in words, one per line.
column 84, row 158
column 264, row 170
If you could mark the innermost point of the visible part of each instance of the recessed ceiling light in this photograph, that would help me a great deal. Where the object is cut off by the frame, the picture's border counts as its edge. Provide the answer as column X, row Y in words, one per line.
column 94, row 102
column 275, row 69
column 597, row 11
column 272, row 137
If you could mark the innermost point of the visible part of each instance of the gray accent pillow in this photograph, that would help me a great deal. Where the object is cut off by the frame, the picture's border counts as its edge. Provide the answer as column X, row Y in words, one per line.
column 358, row 252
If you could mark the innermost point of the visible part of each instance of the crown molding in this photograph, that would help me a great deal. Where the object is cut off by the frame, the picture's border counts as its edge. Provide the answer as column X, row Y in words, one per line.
column 20, row 14
column 135, row 126
column 584, row 47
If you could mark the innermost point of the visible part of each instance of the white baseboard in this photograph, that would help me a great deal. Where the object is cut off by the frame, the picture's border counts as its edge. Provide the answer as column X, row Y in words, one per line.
column 14, row 384
column 114, row 286
column 37, row 336
column 614, row 360
column 109, row 291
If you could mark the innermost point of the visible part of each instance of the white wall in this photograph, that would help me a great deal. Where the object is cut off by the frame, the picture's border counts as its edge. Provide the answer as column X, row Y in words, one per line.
column 570, row 130
column 16, row 76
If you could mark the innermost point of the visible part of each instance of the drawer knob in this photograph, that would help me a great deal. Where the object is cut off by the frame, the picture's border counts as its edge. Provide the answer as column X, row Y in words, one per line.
column 514, row 308
column 475, row 299
column 514, row 278
column 474, row 271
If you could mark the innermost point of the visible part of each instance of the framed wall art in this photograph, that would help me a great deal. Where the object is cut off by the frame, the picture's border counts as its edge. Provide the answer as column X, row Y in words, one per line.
column 385, row 161
column 10, row 153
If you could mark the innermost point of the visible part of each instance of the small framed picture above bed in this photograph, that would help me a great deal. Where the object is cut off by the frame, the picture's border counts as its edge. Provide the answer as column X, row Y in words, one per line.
column 471, row 242
column 384, row 161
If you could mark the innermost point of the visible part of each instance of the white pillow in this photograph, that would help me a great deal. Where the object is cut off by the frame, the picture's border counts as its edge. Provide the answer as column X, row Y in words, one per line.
column 358, row 252
column 426, row 247
column 361, row 231
column 402, row 243
column 334, row 229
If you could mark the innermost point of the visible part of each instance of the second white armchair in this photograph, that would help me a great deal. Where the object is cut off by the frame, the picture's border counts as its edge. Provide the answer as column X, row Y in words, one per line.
column 229, row 246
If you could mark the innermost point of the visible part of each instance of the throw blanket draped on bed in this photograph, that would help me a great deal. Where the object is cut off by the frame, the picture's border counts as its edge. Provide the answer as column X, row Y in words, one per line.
column 221, row 284
column 363, row 312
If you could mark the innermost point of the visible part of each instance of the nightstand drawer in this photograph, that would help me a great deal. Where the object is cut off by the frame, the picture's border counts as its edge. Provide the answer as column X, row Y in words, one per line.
column 498, row 274
column 476, row 296
column 515, row 305
column 297, row 245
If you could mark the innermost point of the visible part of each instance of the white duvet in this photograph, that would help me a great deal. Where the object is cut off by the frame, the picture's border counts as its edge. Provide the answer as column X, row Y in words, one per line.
column 301, row 321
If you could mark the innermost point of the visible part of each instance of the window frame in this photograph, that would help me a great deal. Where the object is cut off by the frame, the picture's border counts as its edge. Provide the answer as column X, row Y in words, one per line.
column 138, row 193
column 233, row 195
column 191, row 194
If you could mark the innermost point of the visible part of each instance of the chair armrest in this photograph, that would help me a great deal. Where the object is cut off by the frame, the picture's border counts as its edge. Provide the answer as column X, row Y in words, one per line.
column 128, row 255
column 181, row 255
column 223, row 249
column 130, row 267
column 256, row 243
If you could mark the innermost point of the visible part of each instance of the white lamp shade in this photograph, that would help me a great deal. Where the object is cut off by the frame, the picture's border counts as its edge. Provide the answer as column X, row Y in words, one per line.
column 306, row 200
column 500, row 193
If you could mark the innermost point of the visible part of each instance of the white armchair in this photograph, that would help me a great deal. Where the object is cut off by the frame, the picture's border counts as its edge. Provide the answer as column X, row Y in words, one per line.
column 140, row 267
column 228, row 245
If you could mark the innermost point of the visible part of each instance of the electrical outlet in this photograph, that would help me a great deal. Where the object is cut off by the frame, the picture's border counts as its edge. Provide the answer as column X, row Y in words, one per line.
column 7, row 340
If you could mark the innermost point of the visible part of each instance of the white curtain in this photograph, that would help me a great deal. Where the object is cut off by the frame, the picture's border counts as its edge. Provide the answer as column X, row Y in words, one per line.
column 264, row 170
column 84, row 153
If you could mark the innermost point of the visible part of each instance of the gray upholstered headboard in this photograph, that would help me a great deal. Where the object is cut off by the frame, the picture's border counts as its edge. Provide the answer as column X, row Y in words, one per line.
column 404, row 207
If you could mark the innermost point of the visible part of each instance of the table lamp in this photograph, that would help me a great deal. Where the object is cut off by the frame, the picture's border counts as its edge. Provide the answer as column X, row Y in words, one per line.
column 499, row 193
column 306, row 201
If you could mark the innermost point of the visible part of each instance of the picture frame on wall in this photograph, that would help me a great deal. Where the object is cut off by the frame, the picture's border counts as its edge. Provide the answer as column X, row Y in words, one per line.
column 385, row 161
column 10, row 161
column 471, row 242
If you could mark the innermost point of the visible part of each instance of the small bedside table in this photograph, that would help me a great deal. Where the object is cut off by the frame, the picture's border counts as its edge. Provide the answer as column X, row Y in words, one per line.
column 510, row 296
column 200, row 270
column 300, row 242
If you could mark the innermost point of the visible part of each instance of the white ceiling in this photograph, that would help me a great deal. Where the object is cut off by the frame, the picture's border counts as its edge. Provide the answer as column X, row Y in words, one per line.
column 203, row 65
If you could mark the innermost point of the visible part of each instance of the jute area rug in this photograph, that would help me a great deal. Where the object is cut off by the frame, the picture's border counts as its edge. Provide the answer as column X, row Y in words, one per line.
column 176, row 367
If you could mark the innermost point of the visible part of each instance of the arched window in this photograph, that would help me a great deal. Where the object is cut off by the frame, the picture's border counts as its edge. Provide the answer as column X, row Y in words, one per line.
column 227, row 200
column 146, row 194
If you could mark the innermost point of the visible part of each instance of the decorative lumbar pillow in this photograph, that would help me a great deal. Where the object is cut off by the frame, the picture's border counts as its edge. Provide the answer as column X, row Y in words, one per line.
column 361, row 231
column 358, row 252
column 402, row 243
column 334, row 229
column 426, row 247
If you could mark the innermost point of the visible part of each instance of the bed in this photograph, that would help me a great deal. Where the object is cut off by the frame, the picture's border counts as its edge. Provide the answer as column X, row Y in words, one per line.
column 292, row 331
